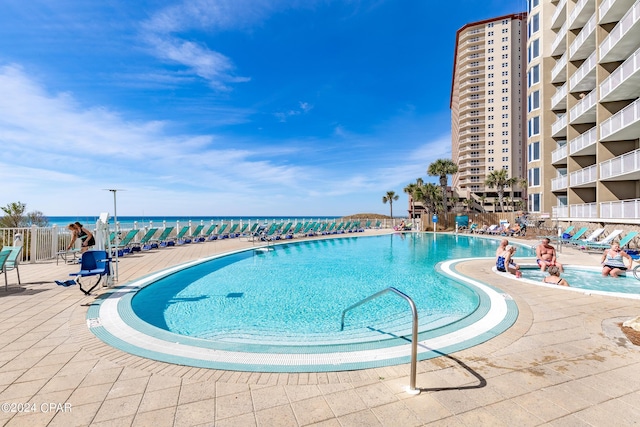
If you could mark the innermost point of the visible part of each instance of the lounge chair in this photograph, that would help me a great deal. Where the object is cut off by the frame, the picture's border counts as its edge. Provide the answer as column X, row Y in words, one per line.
column 220, row 232
column 144, row 242
column 12, row 262
column 472, row 228
column 4, row 254
column 590, row 238
column 195, row 236
column 232, row 231
column 163, row 239
column 207, row 234
column 603, row 243
column 180, row 237
column 123, row 245
column 248, row 234
column 92, row 263
column 575, row 236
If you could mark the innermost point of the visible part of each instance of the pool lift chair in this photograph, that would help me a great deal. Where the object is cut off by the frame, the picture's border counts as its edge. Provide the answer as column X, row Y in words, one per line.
column 93, row 263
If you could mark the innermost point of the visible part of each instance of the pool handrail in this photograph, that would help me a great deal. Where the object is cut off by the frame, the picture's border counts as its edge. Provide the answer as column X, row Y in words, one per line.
column 414, row 330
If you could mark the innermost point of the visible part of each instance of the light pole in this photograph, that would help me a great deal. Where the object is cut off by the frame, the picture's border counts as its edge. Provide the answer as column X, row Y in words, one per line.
column 115, row 225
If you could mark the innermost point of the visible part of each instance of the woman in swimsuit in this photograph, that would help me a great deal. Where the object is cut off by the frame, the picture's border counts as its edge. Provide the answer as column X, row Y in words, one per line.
column 613, row 261
column 554, row 276
column 505, row 262
column 79, row 232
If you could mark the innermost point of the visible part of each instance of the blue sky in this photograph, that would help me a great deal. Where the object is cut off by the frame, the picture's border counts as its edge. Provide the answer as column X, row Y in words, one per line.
column 225, row 107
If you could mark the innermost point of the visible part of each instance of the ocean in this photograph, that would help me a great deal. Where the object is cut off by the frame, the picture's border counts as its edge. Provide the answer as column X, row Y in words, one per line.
column 128, row 222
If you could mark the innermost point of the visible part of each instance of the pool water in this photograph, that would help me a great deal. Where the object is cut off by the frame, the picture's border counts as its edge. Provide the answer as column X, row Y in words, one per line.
column 295, row 293
column 591, row 280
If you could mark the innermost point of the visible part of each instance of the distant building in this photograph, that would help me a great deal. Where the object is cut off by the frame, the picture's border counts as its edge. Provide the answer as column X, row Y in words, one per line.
column 488, row 107
column 583, row 92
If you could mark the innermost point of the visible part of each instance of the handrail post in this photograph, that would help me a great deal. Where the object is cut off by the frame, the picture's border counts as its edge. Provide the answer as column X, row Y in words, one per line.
column 414, row 332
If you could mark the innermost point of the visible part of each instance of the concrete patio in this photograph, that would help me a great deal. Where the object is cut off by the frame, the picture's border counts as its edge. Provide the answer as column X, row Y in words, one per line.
column 564, row 362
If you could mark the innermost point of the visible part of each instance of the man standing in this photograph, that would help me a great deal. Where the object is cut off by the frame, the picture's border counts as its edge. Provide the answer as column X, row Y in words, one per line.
column 546, row 255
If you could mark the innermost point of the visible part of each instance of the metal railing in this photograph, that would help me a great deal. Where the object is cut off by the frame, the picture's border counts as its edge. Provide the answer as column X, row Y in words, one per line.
column 414, row 330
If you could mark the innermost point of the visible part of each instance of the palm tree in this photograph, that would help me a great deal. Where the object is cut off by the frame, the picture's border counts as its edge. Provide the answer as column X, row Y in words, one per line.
column 500, row 180
column 431, row 197
column 411, row 191
column 442, row 168
column 390, row 197
column 467, row 204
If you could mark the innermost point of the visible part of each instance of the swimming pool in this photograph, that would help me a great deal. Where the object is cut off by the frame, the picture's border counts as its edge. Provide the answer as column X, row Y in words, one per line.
column 590, row 280
column 229, row 312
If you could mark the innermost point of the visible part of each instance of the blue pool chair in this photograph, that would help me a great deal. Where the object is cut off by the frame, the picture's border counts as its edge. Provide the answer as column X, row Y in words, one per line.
column 92, row 263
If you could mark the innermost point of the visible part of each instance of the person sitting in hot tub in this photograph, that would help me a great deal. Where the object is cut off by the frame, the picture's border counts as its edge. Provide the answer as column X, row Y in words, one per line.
column 613, row 261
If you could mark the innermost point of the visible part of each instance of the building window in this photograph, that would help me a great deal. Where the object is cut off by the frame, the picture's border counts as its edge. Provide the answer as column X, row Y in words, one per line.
column 534, row 177
column 490, row 67
column 534, row 202
column 491, row 168
column 505, row 150
column 534, row 49
column 490, row 151
column 534, row 126
column 490, row 50
column 533, row 3
column 505, row 133
column 505, row 116
column 534, row 24
column 505, row 142
column 490, row 92
column 505, row 90
column 490, row 159
column 534, row 151
column 533, row 76
column 533, row 101
column 505, row 125
column 505, row 73
column 490, row 109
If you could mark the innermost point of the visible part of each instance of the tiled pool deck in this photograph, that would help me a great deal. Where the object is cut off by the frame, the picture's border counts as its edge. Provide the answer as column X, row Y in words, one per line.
column 564, row 362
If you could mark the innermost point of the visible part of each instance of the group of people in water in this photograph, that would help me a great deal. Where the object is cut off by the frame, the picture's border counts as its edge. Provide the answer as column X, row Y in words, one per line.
column 613, row 261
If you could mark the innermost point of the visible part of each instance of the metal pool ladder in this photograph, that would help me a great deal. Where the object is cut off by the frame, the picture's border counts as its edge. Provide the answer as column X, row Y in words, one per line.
column 414, row 334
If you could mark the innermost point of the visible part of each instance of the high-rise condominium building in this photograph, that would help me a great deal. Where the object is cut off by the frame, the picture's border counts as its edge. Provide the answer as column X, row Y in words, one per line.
column 488, row 107
column 583, row 92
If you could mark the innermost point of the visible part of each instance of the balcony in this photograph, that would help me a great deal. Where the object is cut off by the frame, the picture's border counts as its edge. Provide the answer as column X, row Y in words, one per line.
column 622, row 168
column 585, row 110
column 560, row 183
column 559, row 155
column 585, row 210
column 559, row 45
column 584, row 79
column 624, row 125
column 584, row 178
column 585, row 144
column 559, row 71
column 559, row 211
column 559, row 128
column 613, row 10
column 559, row 99
column 624, row 38
column 624, row 82
column 581, row 13
column 560, row 15
column 623, row 209
column 585, row 43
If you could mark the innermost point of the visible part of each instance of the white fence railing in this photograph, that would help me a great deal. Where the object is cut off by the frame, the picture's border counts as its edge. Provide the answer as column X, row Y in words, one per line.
column 624, row 164
column 623, row 209
column 585, row 210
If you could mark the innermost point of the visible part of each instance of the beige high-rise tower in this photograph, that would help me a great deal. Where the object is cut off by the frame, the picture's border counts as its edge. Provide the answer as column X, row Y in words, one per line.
column 488, row 107
column 584, row 110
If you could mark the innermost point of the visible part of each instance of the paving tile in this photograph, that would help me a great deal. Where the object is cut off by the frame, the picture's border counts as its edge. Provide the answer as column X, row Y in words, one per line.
column 233, row 404
column 311, row 410
column 118, row 408
column 396, row 413
column 156, row 418
column 364, row 418
column 345, row 402
column 159, row 399
column 276, row 416
column 264, row 398
column 196, row 413
column 375, row 394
